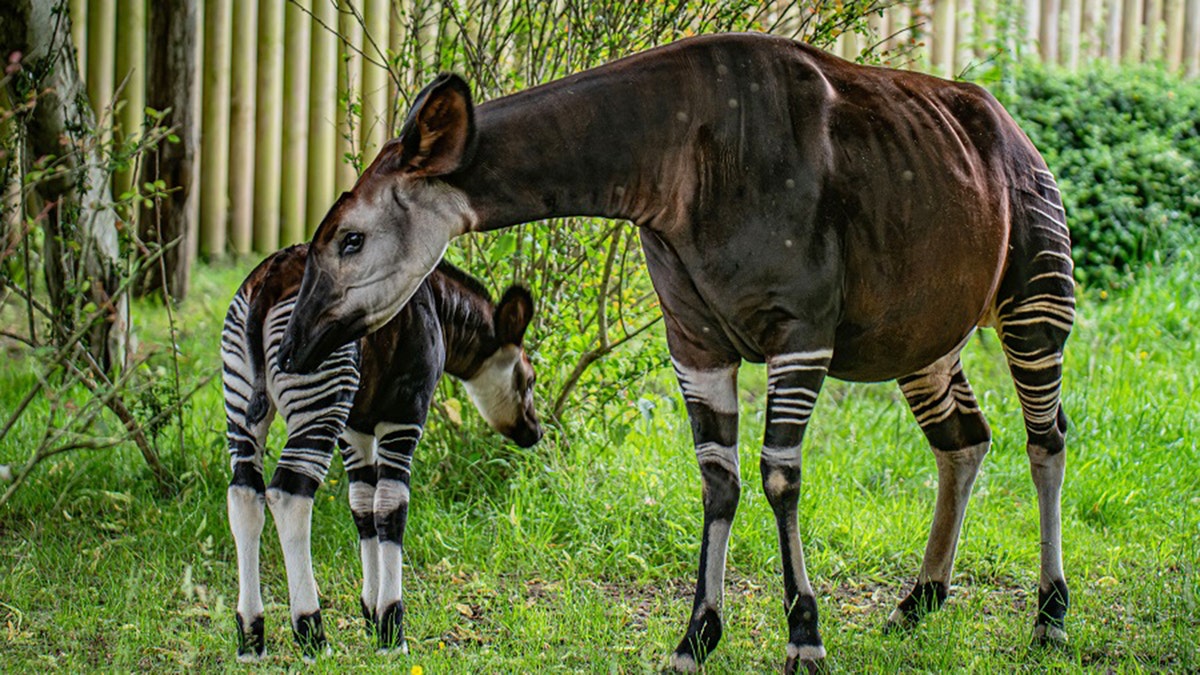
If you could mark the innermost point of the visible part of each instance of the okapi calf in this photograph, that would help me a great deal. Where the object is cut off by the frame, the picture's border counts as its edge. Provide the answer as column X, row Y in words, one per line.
column 795, row 209
column 370, row 396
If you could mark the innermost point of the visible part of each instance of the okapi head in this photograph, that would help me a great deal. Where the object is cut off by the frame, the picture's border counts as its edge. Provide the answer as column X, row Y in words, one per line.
column 501, row 383
column 384, row 236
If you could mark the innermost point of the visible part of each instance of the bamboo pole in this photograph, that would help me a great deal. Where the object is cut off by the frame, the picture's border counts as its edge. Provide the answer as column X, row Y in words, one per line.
column 942, row 49
column 374, row 130
column 985, row 28
column 1048, row 31
column 193, row 203
column 1092, row 18
column 131, row 69
column 1174, row 21
column 397, row 35
column 1112, row 40
column 1131, row 31
column 102, row 31
column 965, row 37
column 348, row 87
column 79, row 26
column 1153, row 35
column 268, row 128
column 214, row 169
column 1191, row 39
column 322, row 116
column 241, row 132
column 297, row 44
column 1074, row 34
column 1033, row 22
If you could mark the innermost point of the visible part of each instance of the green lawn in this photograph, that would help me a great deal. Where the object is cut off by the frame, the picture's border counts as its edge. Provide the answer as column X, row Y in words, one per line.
column 578, row 555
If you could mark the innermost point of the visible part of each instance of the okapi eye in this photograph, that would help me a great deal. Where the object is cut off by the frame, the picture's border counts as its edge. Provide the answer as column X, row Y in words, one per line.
column 351, row 243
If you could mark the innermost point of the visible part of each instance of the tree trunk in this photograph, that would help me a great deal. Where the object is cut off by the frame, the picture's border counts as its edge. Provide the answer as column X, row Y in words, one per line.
column 171, row 85
column 81, row 252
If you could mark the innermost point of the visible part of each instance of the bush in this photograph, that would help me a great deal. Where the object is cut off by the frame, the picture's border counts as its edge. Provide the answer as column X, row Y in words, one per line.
column 1125, row 146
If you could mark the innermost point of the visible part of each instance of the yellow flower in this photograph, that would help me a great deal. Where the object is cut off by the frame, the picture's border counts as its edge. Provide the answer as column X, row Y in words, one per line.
column 417, row 670
column 1103, row 295
column 441, row 645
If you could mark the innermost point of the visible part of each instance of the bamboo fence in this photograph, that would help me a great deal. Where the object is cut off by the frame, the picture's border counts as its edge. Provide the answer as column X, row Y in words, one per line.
column 291, row 109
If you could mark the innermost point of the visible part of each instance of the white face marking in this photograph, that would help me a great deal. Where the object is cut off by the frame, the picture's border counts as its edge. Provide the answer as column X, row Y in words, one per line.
column 493, row 392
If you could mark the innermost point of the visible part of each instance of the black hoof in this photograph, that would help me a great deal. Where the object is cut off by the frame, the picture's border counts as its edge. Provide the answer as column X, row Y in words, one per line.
column 252, row 642
column 391, row 629
column 924, row 599
column 310, row 635
column 702, row 637
column 372, row 624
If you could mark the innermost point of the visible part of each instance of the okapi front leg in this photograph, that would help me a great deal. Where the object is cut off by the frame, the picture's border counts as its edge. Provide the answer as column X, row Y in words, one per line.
column 711, row 398
column 793, row 381
column 397, row 443
column 290, row 497
column 945, row 408
column 358, row 456
column 245, row 501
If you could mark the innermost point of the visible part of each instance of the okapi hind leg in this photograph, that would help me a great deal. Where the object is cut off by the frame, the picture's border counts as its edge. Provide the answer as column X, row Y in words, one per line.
column 1035, row 312
column 397, row 442
column 290, row 497
column 793, row 382
column 710, row 395
column 946, row 410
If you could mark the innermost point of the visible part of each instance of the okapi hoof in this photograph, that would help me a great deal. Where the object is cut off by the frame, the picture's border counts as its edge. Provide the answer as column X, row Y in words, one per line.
column 252, row 642
column 804, row 659
column 1045, row 635
column 924, row 599
column 391, row 630
column 1050, row 629
column 702, row 637
column 310, row 635
column 369, row 619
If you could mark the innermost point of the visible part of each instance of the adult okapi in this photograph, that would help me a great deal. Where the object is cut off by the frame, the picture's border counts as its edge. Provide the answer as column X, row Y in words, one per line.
column 794, row 208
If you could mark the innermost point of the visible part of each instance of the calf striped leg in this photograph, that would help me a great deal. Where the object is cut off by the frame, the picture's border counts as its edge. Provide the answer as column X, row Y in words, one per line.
column 248, row 415
column 397, row 443
column 1034, row 319
column 711, row 399
column 358, row 456
column 945, row 408
column 316, row 407
column 793, row 381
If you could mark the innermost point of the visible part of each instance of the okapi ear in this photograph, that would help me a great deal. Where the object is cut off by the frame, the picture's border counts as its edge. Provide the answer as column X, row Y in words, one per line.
column 513, row 314
column 439, row 134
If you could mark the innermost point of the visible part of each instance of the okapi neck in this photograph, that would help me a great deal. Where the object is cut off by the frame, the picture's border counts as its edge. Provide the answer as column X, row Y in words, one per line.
column 575, row 147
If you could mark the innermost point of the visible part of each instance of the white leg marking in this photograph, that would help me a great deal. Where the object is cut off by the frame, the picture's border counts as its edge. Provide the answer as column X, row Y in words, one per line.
column 293, row 521
column 246, row 519
column 716, row 389
column 956, row 474
column 682, row 663
column 715, row 453
column 1048, row 471
column 714, row 568
column 806, row 652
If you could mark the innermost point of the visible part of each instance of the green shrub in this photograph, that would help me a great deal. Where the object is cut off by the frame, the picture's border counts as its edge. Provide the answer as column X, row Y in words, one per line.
column 1125, row 146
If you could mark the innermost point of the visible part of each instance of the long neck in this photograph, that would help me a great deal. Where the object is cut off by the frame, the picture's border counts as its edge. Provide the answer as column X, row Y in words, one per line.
column 467, row 324
column 594, row 144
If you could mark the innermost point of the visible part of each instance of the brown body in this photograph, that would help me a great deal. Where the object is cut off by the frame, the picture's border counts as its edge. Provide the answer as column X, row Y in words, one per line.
column 794, row 208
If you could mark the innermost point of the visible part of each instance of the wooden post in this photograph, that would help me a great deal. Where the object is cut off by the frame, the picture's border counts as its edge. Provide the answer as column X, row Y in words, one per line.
column 1112, row 39
column 102, row 32
column 965, row 36
column 375, row 116
column 1131, row 31
column 1033, row 22
column 1074, row 34
column 1174, row 22
column 297, row 42
column 322, row 117
column 241, row 132
column 1153, row 36
column 943, row 38
column 1048, row 31
column 214, row 176
column 131, row 70
column 1191, row 40
column 267, row 128
column 79, row 26
column 1092, row 20
column 349, row 84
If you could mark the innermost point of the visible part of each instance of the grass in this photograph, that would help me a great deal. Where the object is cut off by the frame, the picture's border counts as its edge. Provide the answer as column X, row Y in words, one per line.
column 579, row 554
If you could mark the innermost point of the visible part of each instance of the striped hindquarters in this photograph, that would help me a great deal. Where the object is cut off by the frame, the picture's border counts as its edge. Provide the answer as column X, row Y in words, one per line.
column 247, row 408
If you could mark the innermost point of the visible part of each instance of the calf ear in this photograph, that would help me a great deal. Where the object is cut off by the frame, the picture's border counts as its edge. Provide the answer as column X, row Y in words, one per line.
column 513, row 313
column 439, row 134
